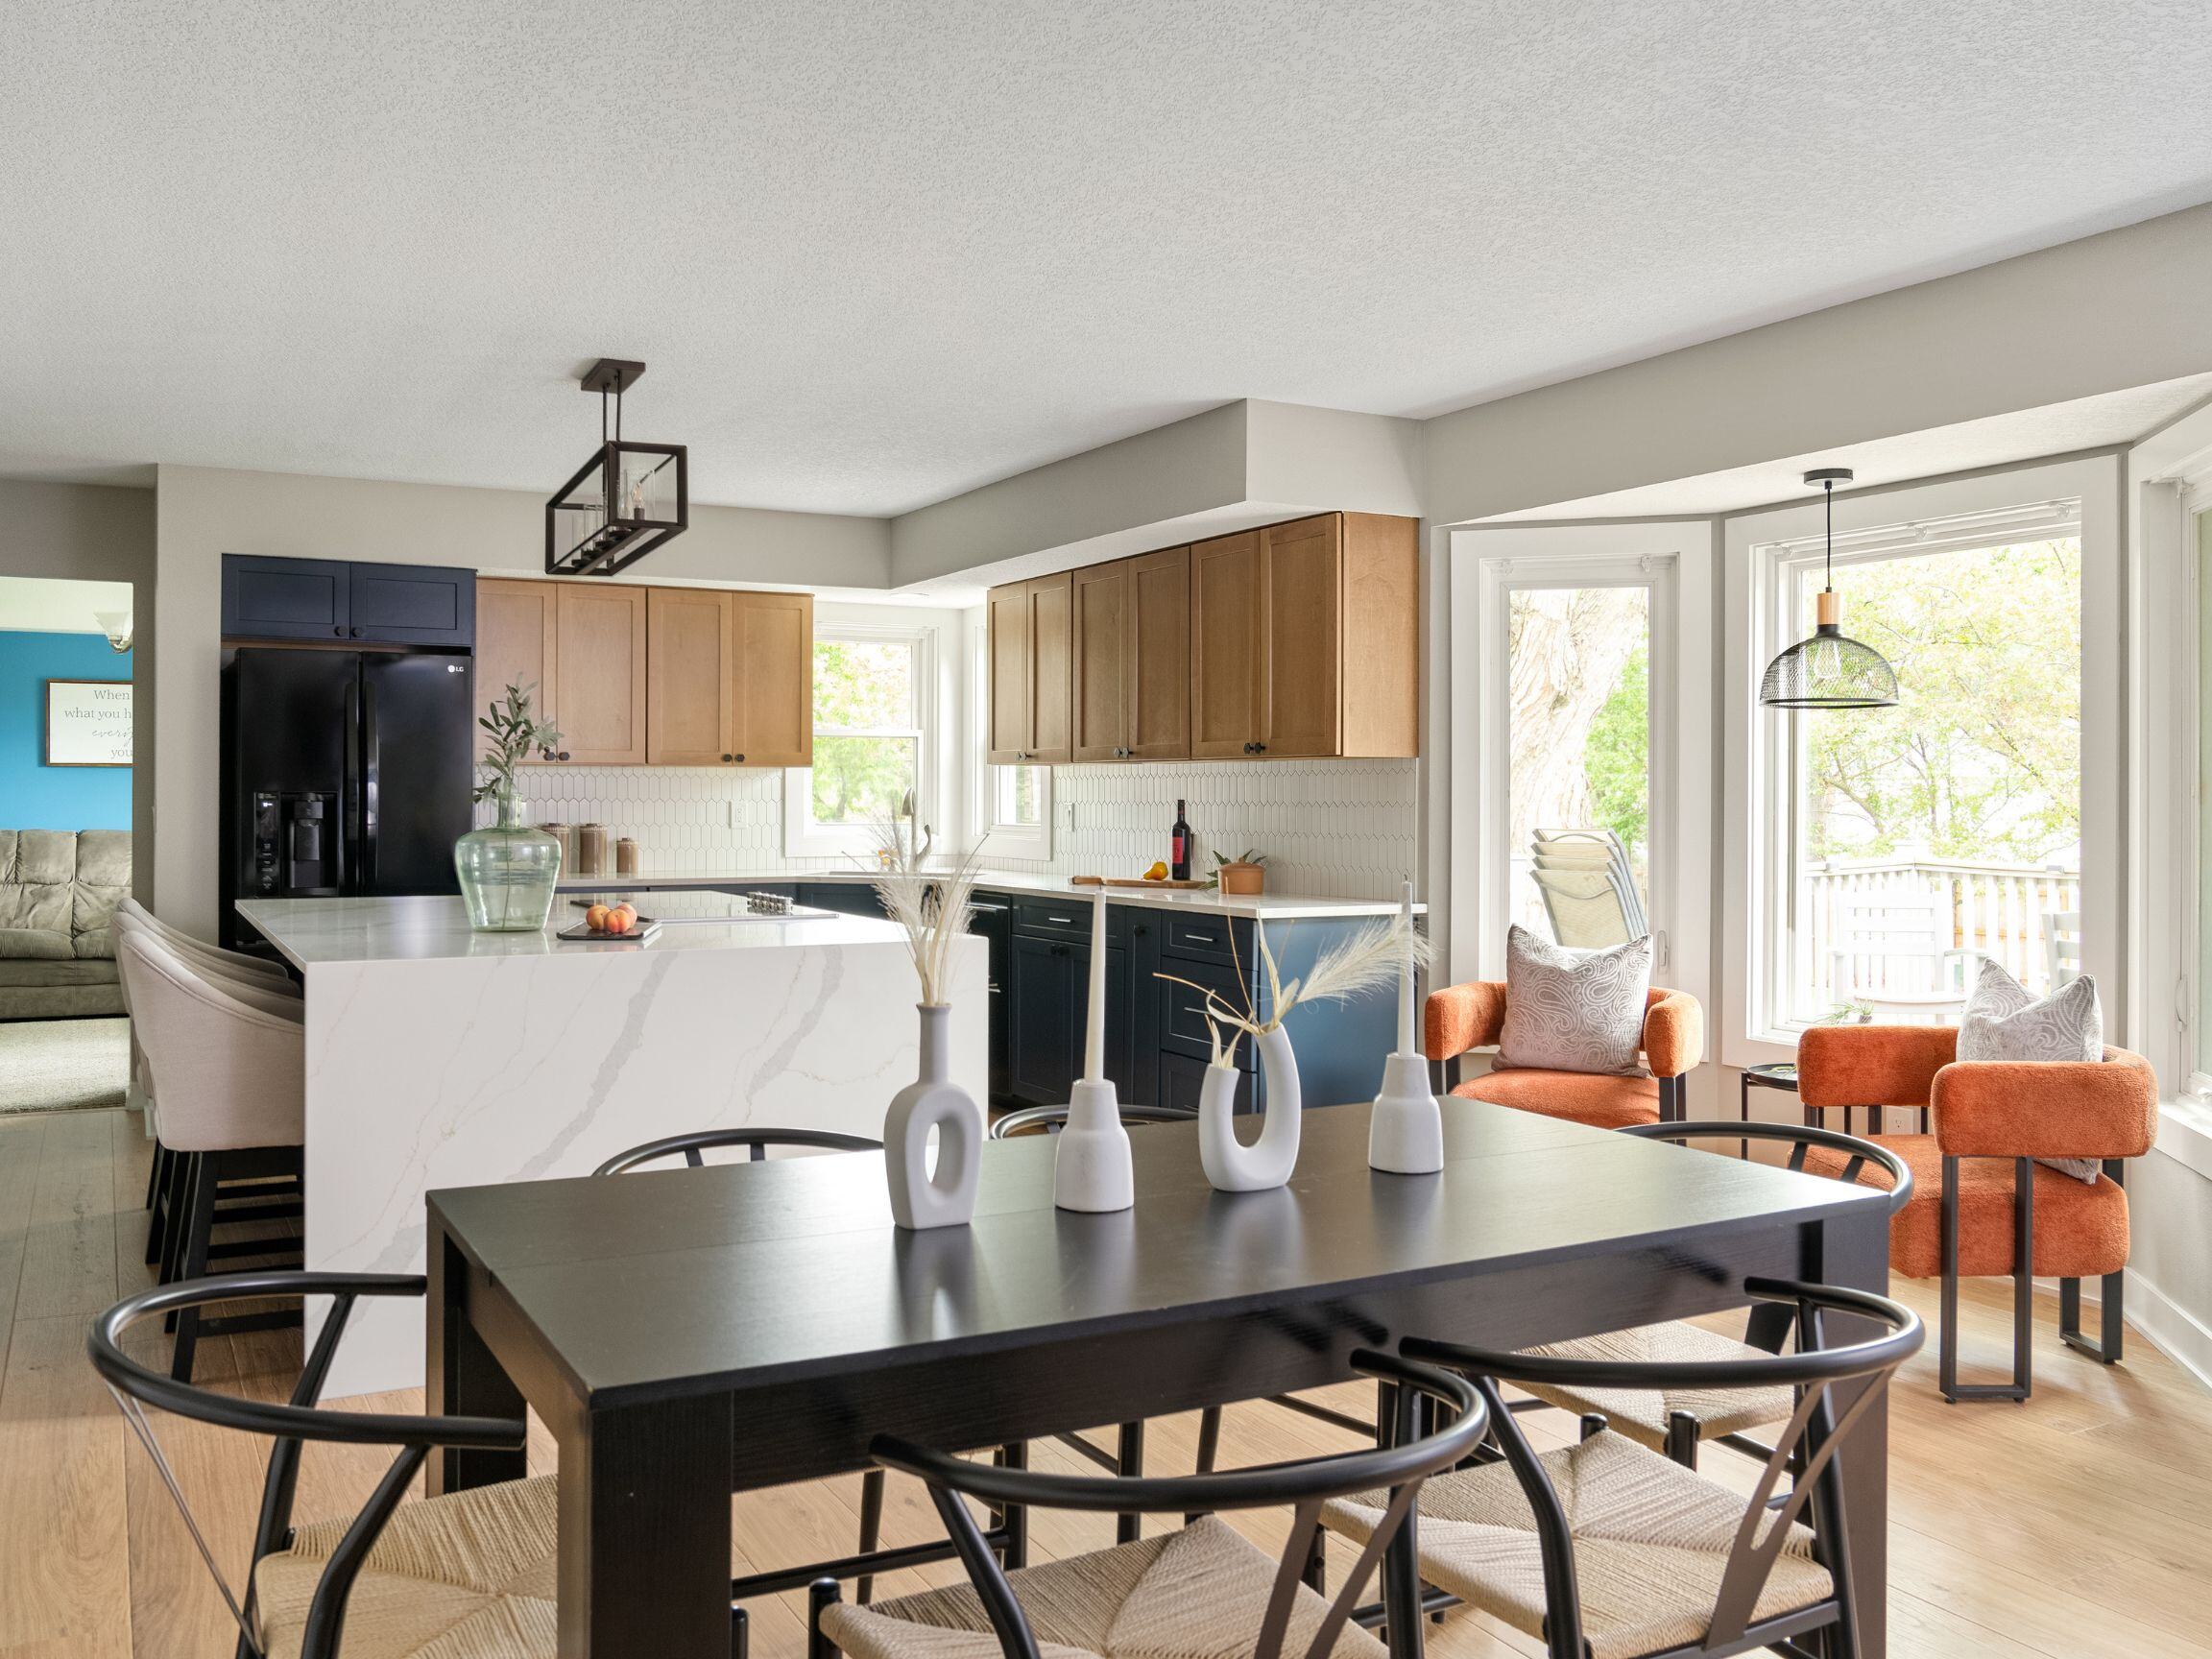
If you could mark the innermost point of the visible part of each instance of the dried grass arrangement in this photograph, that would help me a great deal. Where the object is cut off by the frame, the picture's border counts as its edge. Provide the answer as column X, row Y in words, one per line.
column 1369, row 960
column 932, row 906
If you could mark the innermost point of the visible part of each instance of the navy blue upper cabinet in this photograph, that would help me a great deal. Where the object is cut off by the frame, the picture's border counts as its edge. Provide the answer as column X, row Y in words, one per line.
column 286, row 598
column 336, row 599
column 412, row 604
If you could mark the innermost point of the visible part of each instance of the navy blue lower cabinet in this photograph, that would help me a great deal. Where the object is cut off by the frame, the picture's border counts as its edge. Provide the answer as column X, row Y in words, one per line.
column 1048, row 1002
column 847, row 898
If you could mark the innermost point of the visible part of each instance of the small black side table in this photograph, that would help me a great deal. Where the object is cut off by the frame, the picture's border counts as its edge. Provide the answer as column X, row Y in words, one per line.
column 1774, row 1075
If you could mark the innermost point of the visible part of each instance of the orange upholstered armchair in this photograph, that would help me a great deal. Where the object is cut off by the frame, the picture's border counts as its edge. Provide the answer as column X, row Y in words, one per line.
column 1460, row 1019
column 1980, row 1205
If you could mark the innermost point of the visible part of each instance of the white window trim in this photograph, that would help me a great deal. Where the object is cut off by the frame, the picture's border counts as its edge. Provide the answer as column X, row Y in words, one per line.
column 1757, row 549
column 802, row 837
column 2172, row 476
column 995, row 840
column 1675, row 558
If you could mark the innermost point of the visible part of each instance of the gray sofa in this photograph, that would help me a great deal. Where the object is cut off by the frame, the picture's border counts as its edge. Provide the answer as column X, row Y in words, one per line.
column 58, row 889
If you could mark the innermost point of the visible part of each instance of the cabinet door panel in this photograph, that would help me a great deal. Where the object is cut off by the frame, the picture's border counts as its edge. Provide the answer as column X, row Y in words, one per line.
column 1043, row 1034
column 1301, row 600
column 269, row 598
column 773, row 650
column 599, row 644
column 514, row 646
column 690, row 678
column 1012, row 733
column 1052, row 668
column 1224, row 645
column 1156, row 655
column 1101, row 695
column 411, row 604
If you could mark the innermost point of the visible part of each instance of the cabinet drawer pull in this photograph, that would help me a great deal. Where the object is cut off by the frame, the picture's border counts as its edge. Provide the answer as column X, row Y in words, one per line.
column 1062, row 921
column 1199, row 939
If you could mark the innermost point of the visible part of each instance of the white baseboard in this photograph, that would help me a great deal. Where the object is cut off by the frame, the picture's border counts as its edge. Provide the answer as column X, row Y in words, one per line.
column 2176, row 1332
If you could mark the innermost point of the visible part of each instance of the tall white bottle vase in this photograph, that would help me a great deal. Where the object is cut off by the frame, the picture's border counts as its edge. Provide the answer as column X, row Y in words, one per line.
column 1405, row 1135
column 1091, row 1167
column 947, row 1198
column 1229, row 1163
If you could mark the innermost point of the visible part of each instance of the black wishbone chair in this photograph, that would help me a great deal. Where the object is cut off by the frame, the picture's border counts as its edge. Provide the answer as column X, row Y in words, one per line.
column 477, row 1566
column 1190, row 1594
column 1678, row 1422
column 1657, row 1562
column 1008, row 1531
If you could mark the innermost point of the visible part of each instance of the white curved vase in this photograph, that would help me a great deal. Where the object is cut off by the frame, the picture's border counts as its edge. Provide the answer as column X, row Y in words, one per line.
column 920, row 1199
column 1230, row 1164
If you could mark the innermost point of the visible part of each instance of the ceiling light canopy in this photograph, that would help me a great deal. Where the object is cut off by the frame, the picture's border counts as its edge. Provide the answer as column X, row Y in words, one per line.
column 1829, row 671
column 626, row 500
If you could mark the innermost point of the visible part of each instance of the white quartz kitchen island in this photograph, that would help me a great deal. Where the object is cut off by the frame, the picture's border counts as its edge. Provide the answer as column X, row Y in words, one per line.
column 438, row 1057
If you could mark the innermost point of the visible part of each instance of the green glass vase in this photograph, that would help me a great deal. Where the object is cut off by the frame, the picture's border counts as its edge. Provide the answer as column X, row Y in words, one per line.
column 508, row 872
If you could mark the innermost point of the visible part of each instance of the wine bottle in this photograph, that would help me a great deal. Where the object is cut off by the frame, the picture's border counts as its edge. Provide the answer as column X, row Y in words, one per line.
column 1179, row 847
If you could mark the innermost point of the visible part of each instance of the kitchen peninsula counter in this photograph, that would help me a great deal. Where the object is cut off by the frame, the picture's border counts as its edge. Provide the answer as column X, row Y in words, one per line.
column 437, row 1057
column 1265, row 907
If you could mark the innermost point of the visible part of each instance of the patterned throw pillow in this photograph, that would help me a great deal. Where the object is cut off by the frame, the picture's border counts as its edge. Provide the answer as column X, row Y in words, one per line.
column 2003, row 1022
column 1574, row 1010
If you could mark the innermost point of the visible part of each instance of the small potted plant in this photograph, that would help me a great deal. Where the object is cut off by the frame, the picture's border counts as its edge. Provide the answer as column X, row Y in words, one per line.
column 508, row 870
column 1245, row 875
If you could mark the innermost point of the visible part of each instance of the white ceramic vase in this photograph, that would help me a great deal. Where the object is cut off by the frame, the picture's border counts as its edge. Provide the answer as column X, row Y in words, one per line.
column 1267, row 1162
column 1405, row 1134
column 947, row 1198
column 1090, row 1169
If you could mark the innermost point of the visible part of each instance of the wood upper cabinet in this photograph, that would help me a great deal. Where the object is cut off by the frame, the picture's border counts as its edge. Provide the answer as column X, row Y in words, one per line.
column 1301, row 621
column 1225, row 645
column 771, row 649
column 1032, row 671
column 655, row 676
column 599, row 647
column 515, row 643
column 1305, row 639
column 691, row 678
column 1131, row 654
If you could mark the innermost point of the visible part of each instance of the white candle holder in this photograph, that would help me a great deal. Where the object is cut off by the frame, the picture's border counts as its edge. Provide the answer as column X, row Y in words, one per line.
column 1405, row 1135
column 1091, row 1167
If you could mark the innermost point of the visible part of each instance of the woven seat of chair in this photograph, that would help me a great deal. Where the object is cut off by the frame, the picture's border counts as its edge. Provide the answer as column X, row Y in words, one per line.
column 1641, row 1413
column 468, row 1575
column 1651, row 1539
column 1197, row 1594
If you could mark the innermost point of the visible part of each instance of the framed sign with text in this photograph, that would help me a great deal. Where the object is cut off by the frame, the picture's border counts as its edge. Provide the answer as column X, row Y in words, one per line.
column 88, row 722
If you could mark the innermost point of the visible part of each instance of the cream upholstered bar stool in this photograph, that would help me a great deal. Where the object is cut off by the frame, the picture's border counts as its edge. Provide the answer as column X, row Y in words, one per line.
column 229, row 1074
column 255, row 980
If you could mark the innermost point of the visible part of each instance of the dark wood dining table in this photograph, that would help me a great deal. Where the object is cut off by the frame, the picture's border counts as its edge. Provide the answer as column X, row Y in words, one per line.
column 693, row 1333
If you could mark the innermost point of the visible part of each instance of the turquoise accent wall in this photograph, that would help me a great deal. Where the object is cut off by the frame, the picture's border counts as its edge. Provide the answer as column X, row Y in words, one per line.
column 32, row 795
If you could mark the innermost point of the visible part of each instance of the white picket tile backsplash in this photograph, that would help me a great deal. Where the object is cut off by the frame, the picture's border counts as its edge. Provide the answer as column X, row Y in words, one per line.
column 1330, row 829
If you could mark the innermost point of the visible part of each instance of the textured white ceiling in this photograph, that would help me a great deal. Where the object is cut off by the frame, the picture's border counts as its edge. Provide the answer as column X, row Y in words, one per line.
column 879, row 253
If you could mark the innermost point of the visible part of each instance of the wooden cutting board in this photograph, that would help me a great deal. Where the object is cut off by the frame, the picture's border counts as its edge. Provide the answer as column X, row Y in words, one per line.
column 1130, row 881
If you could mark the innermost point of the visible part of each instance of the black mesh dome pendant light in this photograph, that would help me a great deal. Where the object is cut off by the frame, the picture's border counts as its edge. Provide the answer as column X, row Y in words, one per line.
column 1829, row 671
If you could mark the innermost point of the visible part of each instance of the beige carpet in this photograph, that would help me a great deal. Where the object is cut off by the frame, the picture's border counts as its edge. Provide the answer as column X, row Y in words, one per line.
column 63, row 1065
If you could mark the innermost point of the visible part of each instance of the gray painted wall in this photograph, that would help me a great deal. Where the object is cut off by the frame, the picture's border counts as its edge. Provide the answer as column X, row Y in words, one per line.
column 98, row 533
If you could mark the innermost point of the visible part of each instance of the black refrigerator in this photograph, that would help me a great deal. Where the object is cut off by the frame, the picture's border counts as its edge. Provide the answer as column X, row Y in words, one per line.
column 344, row 773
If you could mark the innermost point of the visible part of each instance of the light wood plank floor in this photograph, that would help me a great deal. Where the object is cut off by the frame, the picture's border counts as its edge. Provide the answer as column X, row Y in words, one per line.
column 2075, row 1528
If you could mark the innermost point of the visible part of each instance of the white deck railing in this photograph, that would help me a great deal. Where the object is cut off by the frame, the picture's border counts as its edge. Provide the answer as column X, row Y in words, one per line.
column 2000, row 910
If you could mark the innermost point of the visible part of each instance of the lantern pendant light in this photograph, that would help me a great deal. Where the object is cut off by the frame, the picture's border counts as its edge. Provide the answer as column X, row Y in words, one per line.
column 626, row 500
column 1829, row 671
